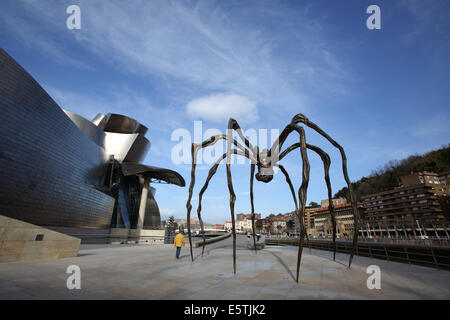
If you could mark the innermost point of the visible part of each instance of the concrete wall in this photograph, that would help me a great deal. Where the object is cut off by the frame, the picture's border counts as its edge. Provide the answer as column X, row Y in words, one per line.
column 120, row 235
column 199, row 243
column 21, row 241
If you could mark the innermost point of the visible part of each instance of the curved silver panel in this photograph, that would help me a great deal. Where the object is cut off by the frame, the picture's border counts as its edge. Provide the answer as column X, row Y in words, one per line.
column 88, row 128
column 49, row 168
column 100, row 120
column 126, row 147
column 54, row 165
column 163, row 174
column 119, row 123
column 152, row 216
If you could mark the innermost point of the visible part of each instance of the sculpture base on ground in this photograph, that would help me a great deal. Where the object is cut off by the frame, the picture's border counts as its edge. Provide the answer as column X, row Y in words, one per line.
column 21, row 241
column 259, row 246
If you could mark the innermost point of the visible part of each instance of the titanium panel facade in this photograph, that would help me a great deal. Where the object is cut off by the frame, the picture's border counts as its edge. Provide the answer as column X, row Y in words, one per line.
column 152, row 215
column 49, row 169
column 55, row 166
column 88, row 128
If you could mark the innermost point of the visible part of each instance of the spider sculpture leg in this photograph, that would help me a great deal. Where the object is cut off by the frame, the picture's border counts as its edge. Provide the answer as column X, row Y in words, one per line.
column 294, row 197
column 233, row 125
column 274, row 152
column 211, row 173
column 231, row 190
column 302, row 191
column 301, row 118
column 326, row 164
column 194, row 150
column 278, row 144
column 252, row 175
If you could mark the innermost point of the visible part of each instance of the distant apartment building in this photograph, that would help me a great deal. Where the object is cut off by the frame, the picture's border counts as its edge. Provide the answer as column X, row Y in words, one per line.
column 309, row 218
column 244, row 225
column 244, row 221
column 344, row 220
column 278, row 224
column 439, row 182
column 219, row 226
column 419, row 204
column 228, row 225
column 336, row 202
column 444, row 178
column 242, row 216
column 240, row 225
column 266, row 223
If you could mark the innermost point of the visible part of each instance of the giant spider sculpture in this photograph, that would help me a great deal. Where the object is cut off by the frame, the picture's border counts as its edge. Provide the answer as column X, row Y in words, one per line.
column 265, row 160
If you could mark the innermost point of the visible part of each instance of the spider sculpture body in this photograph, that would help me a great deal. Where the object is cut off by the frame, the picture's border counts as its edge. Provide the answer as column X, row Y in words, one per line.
column 265, row 161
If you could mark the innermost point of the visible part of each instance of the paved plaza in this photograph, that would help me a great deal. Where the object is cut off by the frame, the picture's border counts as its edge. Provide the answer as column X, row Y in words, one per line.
column 152, row 272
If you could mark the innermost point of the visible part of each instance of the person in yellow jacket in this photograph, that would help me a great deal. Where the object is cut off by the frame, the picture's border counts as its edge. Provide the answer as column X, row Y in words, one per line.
column 179, row 242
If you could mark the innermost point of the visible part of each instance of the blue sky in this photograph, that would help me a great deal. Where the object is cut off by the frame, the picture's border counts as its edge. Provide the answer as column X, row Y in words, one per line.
column 382, row 94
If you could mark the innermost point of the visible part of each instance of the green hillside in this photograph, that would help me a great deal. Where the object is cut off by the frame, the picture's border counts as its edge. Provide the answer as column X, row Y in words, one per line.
column 388, row 176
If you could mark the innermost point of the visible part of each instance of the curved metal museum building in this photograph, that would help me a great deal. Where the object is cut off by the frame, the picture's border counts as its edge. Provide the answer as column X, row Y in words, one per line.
column 58, row 169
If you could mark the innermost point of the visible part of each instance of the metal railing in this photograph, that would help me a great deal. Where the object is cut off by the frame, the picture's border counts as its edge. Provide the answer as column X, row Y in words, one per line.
column 433, row 241
column 130, row 239
column 108, row 238
column 427, row 255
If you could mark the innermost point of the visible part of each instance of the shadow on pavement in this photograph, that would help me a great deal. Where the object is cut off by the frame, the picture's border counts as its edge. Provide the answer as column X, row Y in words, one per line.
column 85, row 254
column 328, row 257
column 284, row 265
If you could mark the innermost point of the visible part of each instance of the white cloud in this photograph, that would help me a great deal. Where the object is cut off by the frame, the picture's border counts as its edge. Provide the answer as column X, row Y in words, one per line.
column 220, row 107
column 117, row 99
column 202, row 46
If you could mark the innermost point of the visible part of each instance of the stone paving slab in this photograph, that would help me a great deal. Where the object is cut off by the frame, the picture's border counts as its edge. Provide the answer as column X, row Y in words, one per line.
column 152, row 272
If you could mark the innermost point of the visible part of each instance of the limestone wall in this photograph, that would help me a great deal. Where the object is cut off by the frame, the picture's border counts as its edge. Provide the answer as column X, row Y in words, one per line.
column 143, row 236
column 21, row 241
